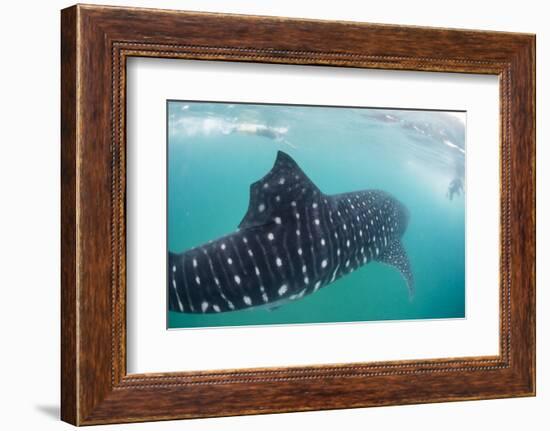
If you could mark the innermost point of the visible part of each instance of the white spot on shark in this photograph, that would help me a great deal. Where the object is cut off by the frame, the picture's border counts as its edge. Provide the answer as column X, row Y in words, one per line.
column 282, row 290
column 247, row 300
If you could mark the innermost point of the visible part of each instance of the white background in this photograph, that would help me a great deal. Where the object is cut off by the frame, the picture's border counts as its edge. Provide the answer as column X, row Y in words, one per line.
column 152, row 349
column 29, row 228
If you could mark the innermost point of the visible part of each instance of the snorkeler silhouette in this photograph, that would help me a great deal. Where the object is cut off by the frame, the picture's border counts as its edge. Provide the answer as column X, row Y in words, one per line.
column 456, row 187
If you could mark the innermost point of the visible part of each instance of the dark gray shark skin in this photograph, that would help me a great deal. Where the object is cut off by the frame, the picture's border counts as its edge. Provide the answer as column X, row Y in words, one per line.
column 293, row 241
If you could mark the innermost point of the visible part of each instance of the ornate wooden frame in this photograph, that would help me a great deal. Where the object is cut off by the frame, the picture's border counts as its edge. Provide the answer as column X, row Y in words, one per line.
column 95, row 42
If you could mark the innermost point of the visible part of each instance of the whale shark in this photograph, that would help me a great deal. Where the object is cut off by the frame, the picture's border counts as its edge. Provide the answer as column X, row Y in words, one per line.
column 293, row 241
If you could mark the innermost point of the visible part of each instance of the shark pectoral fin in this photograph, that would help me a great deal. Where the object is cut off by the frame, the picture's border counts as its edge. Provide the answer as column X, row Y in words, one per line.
column 396, row 256
column 275, row 196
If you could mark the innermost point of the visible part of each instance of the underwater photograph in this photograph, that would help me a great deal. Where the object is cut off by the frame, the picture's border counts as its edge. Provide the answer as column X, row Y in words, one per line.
column 298, row 214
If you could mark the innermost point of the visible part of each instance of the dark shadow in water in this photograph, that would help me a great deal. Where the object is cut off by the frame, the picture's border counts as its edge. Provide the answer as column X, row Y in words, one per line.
column 52, row 411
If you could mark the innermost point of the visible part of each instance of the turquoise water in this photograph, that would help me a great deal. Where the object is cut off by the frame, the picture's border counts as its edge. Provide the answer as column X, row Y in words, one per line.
column 216, row 150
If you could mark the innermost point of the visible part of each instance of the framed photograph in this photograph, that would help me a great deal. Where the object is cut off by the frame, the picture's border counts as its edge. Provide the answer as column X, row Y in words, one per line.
column 324, row 214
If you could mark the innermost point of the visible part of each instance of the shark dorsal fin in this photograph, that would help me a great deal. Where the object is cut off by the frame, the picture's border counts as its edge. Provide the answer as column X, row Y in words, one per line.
column 275, row 196
column 396, row 256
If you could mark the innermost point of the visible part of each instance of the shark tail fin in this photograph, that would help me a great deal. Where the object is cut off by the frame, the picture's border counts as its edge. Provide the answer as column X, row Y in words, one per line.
column 396, row 256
